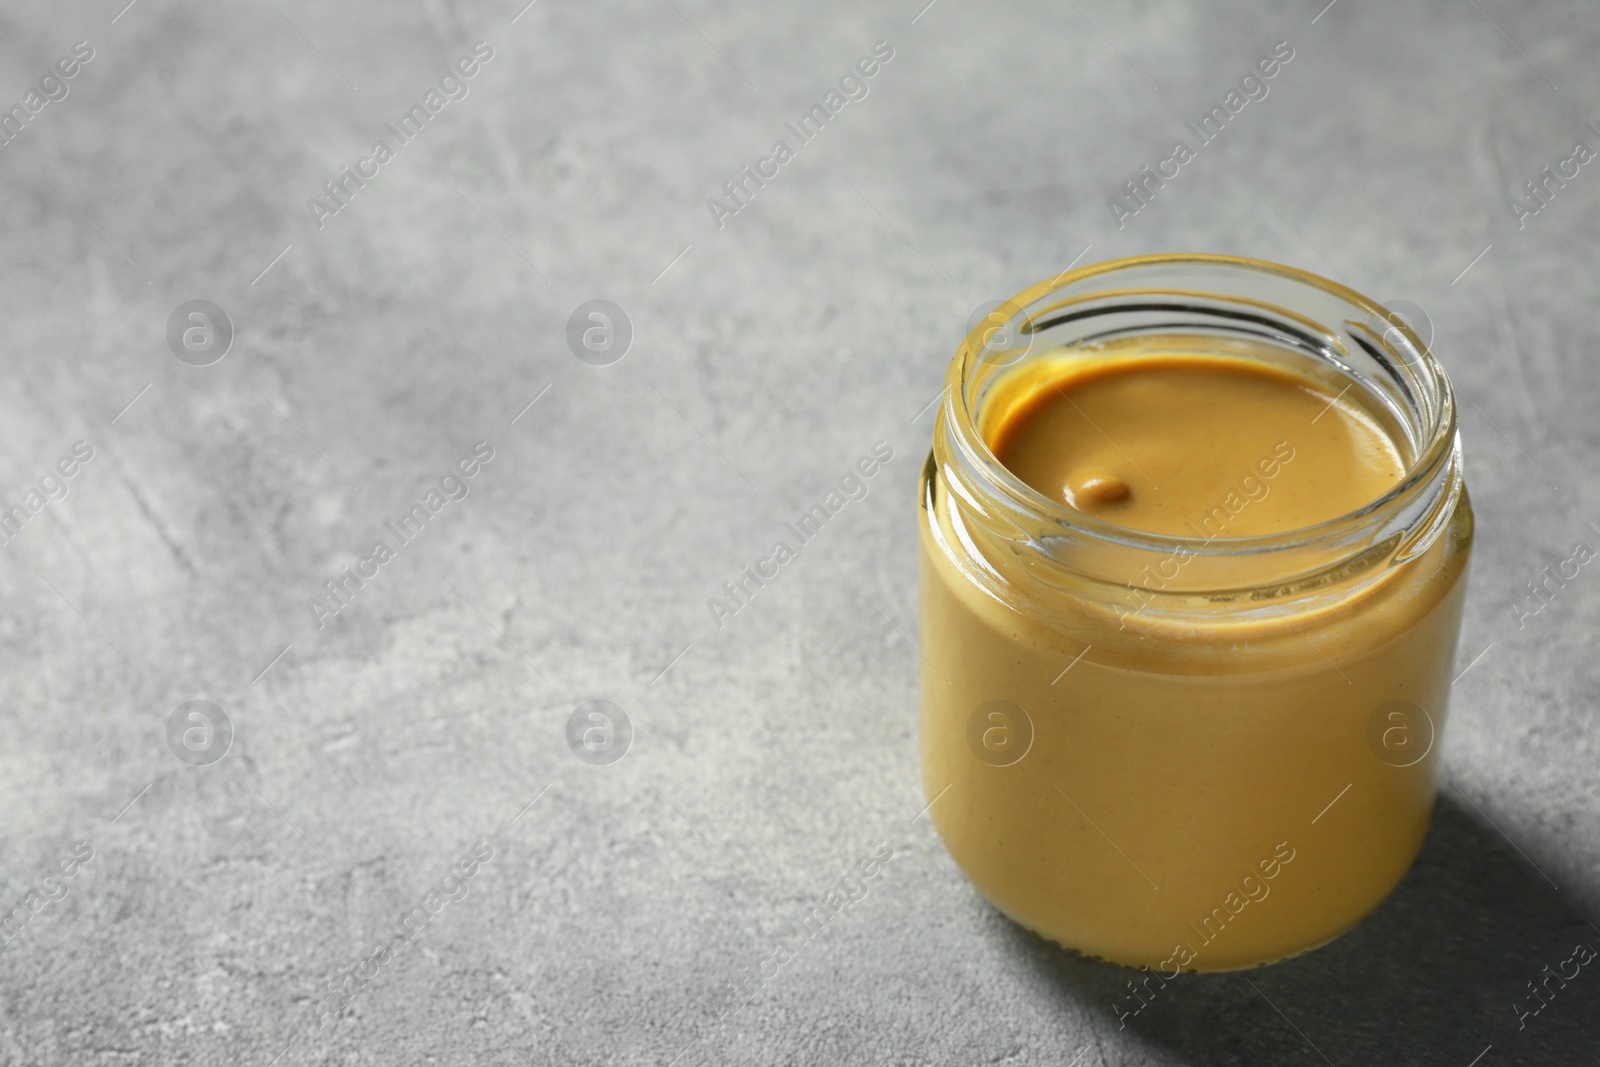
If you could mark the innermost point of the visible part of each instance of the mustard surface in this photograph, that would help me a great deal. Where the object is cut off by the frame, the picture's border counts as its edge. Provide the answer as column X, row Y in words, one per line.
column 1206, row 793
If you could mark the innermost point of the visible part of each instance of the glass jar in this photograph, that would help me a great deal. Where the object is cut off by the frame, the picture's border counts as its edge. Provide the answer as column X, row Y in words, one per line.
column 1189, row 754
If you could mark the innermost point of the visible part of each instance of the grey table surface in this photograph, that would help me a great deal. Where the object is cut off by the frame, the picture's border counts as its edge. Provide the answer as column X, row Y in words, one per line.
column 626, row 909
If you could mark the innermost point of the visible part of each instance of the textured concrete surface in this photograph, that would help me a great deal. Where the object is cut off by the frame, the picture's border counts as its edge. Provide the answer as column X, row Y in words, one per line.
column 620, row 917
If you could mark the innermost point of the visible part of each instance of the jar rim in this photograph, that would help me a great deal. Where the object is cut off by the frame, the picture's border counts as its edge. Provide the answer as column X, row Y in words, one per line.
column 1435, row 446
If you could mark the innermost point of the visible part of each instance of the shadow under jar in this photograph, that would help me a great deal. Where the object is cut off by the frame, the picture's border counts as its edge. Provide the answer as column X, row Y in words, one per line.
column 1192, row 753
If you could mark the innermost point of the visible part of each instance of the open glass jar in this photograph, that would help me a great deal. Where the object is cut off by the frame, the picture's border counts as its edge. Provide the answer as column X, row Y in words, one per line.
column 1191, row 754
